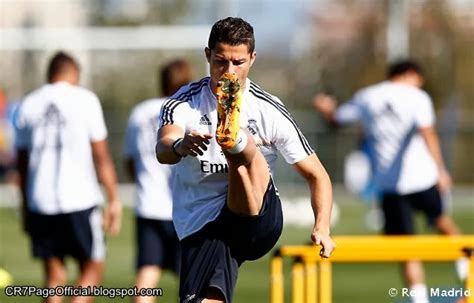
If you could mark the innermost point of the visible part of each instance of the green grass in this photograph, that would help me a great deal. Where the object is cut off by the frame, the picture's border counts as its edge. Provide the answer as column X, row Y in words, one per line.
column 351, row 282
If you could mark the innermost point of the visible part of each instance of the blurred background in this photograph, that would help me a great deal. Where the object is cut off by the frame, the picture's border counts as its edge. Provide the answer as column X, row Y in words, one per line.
column 303, row 47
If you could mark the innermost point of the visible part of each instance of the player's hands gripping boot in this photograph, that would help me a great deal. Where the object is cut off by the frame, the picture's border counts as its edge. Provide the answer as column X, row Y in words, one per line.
column 228, row 110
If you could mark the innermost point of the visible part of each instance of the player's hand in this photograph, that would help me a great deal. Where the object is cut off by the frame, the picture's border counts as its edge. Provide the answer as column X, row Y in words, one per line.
column 323, row 239
column 444, row 181
column 113, row 217
column 324, row 104
column 193, row 144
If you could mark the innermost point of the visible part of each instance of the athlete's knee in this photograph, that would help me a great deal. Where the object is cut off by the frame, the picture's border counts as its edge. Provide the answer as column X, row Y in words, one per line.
column 92, row 264
column 55, row 272
column 446, row 225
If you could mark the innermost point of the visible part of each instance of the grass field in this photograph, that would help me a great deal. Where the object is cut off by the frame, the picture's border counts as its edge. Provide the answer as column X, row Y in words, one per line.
column 352, row 283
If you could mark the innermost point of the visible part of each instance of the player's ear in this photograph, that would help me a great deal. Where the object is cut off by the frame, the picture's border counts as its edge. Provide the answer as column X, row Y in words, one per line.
column 207, row 51
column 253, row 56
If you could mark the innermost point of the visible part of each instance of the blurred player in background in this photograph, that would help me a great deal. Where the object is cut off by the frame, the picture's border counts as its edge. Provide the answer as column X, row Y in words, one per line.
column 7, row 157
column 398, row 121
column 62, row 149
column 157, row 242
column 226, row 209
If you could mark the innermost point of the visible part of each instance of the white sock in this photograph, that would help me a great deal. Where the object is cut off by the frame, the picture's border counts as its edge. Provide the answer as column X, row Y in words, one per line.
column 420, row 293
column 462, row 267
column 240, row 143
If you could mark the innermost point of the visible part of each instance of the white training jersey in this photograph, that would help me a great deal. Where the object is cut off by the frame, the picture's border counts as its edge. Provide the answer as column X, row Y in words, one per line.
column 391, row 114
column 56, row 125
column 153, row 180
column 200, row 186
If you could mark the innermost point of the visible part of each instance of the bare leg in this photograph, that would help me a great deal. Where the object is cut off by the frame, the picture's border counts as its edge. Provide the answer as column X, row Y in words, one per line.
column 91, row 275
column 414, row 276
column 413, row 273
column 447, row 226
column 55, row 275
column 248, row 179
column 147, row 277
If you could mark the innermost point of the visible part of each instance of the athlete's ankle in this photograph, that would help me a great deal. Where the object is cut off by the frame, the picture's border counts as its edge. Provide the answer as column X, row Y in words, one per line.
column 245, row 155
column 240, row 143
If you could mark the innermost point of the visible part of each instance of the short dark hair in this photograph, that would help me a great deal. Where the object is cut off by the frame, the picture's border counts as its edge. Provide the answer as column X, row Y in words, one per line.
column 174, row 75
column 403, row 66
column 232, row 31
column 59, row 63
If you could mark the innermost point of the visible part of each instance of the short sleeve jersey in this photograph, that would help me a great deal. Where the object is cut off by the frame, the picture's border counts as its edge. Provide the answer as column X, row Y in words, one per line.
column 391, row 114
column 154, row 180
column 56, row 124
column 201, row 182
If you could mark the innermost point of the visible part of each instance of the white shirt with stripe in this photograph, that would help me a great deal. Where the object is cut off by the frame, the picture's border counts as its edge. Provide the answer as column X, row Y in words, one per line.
column 201, row 182
column 391, row 114
column 153, row 180
column 56, row 125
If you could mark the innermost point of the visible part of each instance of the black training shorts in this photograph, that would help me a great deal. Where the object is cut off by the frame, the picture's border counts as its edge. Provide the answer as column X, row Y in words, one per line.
column 211, row 257
column 78, row 234
column 399, row 210
column 157, row 244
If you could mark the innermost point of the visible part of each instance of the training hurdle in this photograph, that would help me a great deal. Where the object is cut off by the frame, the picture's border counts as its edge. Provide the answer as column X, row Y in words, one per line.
column 312, row 276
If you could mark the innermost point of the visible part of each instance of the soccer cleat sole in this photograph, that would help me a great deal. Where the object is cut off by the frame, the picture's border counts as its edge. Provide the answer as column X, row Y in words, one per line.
column 228, row 110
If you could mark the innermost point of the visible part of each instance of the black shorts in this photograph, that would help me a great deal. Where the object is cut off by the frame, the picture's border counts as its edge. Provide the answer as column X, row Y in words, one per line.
column 77, row 234
column 157, row 244
column 212, row 255
column 399, row 210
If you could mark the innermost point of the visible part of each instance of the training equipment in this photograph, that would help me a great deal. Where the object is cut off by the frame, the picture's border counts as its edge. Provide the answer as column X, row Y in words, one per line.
column 311, row 276
column 228, row 110
column 5, row 278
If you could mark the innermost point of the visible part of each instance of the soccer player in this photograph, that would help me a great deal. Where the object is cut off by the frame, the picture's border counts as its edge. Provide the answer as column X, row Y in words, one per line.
column 399, row 123
column 157, row 242
column 223, row 133
column 61, row 141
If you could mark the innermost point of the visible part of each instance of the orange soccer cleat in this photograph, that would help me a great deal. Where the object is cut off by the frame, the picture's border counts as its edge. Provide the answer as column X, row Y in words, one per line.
column 228, row 110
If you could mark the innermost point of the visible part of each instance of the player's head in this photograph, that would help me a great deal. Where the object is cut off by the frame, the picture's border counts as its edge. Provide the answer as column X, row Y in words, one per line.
column 63, row 67
column 406, row 71
column 231, row 49
column 174, row 75
column 233, row 31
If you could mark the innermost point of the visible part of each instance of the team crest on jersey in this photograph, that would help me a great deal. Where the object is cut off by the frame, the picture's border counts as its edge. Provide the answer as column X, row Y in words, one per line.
column 252, row 127
column 204, row 120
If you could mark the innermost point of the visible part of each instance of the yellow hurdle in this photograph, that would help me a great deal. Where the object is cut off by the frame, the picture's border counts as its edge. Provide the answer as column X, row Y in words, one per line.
column 311, row 280
column 297, row 281
column 277, row 294
column 325, row 282
column 470, row 277
column 312, row 276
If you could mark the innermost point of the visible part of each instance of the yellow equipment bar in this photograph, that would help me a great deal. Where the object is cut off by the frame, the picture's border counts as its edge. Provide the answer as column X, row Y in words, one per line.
column 317, row 284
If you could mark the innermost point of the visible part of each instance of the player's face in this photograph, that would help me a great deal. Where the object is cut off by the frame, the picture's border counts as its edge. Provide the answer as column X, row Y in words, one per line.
column 413, row 78
column 75, row 76
column 418, row 80
column 225, row 58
